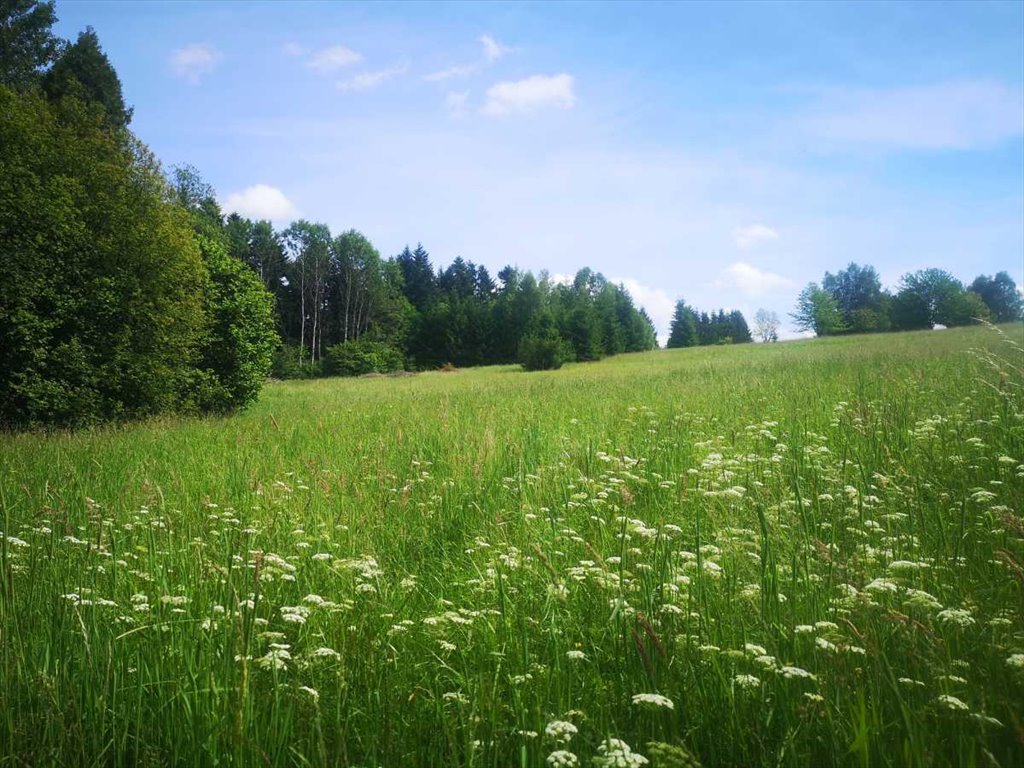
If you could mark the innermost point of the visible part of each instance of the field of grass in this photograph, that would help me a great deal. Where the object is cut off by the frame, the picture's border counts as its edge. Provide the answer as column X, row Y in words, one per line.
column 800, row 554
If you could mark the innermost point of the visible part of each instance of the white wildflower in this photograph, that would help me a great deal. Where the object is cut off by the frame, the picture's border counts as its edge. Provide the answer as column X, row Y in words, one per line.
column 326, row 653
column 791, row 673
column 953, row 703
column 961, row 617
column 560, row 731
column 747, row 681
column 562, row 759
column 655, row 700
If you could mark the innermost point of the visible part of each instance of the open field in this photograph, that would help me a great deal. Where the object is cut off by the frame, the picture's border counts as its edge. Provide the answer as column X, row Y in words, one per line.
column 812, row 552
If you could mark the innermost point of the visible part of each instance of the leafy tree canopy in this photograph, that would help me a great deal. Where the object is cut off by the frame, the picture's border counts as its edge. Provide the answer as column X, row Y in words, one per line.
column 27, row 42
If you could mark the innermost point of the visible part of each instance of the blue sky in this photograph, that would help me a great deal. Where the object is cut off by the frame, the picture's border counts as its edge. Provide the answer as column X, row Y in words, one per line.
column 723, row 153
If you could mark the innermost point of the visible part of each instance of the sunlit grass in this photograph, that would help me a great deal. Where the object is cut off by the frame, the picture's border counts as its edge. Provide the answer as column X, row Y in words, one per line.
column 799, row 554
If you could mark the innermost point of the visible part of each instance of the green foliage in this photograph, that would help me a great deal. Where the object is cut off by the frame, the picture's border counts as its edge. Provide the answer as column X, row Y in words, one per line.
column 926, row 298
column 27, row 42
column 739, row 332
column 942, row 293
column 544, row 350
column 868, row 320
column 285, row 364
column 818, row 311
column 101, row 311
column 683, row 331
column 237, row 352
column 910, row 311
column 965, row 308
column 664, row 755
column 199, row 199
column 84, row 72
column 112, row 307
column 858, row 295
column 356, row 358
column 1000, row 295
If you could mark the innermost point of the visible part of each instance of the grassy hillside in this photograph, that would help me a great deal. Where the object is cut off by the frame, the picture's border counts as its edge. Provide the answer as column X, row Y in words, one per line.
column 811, row 552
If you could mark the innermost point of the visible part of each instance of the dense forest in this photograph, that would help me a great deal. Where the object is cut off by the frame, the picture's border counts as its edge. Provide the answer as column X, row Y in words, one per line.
column 343, row 308
column 129, row 293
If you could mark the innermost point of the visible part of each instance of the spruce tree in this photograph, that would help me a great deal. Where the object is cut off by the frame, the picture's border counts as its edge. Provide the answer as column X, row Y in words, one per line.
column 683, row 331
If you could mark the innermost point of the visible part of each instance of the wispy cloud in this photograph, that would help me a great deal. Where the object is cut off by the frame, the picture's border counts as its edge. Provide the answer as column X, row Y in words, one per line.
column 754, row 234
column 950, row 115
column 260, row 201
column 194, row 61
column 493, row 50
column 530, row 94
column 459, row 70
column 365, row 81
column 455, row 103
column 331, row 59
column 751, row 281
column 293, row 49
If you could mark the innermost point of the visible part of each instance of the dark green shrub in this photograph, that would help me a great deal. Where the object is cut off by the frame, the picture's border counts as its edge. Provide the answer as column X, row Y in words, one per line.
column 285, row 364
column 355, row 358
column 544, row 351
column 237, row 352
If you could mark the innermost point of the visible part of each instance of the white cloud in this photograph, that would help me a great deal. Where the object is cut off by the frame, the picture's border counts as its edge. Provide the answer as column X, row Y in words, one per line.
column 364, row 81
column 751, row 281
column 293, row 49
column 530, row 94
column 455, row 102
column 655, row 301
column 334, row 58
column 260, row 201
column 493, row 50
column 195, row 60
column 951, row 115
column 461, row 70
column 751, row 235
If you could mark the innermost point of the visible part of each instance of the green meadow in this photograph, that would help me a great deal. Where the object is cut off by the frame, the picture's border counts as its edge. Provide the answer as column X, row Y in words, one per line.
column 798, row 554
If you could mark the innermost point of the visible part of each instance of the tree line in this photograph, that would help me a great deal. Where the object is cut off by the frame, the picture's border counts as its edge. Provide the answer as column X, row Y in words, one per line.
column 690, row 328
column 128, row 293
column 854, row 301
column 338, row 299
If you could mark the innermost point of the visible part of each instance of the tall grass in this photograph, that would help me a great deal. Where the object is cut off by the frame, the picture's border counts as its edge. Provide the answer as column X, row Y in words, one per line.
column 809, row 553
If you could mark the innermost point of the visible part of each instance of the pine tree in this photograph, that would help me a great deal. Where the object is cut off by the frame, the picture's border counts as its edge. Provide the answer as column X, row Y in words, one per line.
column 683, row 331
column 84, row 72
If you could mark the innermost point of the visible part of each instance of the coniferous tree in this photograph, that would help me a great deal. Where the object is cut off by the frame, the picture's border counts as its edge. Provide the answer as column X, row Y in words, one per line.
column 739, row 332
column 683, row 330
column 420, row 283
column 84, row 72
